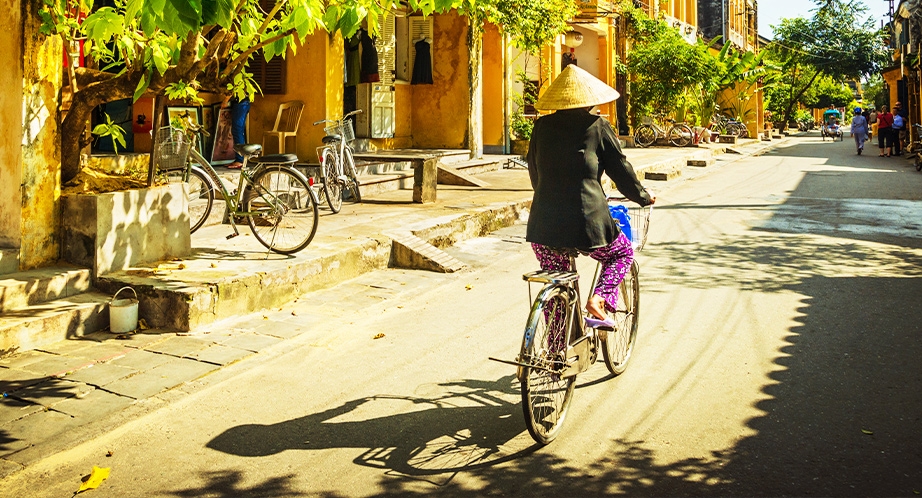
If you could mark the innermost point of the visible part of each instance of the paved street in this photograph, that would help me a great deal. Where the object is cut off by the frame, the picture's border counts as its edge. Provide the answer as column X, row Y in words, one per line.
column 778, row 355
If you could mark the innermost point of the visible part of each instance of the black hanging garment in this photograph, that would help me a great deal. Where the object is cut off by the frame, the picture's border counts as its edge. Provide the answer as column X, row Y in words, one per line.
column 422, row 66
column 369, row 59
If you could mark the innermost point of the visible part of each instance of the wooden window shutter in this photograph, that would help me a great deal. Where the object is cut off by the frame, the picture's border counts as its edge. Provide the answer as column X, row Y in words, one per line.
column 271, row 75
column 386, row 45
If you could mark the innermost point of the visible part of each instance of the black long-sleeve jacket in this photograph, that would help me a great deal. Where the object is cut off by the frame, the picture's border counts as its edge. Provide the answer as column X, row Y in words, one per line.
column 568, row 153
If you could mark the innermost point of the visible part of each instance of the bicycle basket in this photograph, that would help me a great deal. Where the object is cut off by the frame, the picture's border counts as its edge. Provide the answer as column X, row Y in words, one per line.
column 345, row 130
column 172, row 149
column 634, row 221
column 647, row 120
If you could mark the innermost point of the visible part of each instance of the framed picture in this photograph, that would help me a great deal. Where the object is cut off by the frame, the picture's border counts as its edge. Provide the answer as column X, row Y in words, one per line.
column 177, row 115
column 222, row 151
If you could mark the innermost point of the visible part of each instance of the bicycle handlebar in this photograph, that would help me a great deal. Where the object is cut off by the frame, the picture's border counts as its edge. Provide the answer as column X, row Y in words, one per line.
column 338, row 121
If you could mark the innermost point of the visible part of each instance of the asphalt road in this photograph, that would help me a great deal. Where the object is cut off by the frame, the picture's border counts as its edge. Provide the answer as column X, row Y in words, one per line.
column 779, row 354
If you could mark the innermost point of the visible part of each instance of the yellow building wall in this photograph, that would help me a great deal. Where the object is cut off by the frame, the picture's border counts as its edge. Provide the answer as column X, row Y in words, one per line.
column 313, row 76
column 40, row 184
column 440, row 111
column 403, row 111
column 891, row 78
column 494, row 98
column 10, row 124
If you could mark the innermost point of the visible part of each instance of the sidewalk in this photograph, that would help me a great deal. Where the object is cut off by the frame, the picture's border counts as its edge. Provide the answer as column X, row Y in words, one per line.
column 71, row 391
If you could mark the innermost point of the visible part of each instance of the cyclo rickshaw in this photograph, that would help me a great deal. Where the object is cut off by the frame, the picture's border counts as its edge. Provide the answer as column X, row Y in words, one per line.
column 831, row 127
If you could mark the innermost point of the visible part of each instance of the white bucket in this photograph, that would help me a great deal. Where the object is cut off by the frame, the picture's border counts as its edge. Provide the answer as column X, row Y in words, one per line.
column 123, row 313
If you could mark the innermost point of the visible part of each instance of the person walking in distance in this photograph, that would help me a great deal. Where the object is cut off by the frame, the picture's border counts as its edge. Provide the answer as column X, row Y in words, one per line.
column 872, row 123
column 859, row 129
column 899, row 129
column 884, row 130
column 569, row 152
column 239, row 110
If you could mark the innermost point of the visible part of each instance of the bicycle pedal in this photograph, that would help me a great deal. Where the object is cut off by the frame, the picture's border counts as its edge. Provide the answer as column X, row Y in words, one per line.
column 231, row 236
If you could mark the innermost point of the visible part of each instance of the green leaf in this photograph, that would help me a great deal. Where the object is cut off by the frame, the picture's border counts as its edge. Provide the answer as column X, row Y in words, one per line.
column 141, row 88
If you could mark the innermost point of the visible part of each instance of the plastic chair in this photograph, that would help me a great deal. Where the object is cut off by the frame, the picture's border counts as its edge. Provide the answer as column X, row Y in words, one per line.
column 286, row 124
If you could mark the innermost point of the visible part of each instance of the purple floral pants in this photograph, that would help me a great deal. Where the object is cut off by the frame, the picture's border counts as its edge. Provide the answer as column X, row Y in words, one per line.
column 615, row 258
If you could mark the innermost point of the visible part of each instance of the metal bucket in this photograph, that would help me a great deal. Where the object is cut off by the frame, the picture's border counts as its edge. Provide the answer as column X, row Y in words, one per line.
column 123, row 313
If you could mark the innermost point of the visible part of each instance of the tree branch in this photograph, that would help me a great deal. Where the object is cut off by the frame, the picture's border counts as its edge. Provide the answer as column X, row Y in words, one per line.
column 242, row 58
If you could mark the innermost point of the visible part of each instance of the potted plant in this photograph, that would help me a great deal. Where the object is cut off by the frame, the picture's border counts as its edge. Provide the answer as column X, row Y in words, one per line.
column 521, row 124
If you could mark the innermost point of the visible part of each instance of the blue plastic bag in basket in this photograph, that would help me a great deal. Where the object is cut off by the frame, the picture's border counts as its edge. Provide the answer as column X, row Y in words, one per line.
column 620, row 214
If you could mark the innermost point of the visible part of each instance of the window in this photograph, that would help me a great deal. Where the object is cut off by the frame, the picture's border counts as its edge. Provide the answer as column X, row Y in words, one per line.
column 270, row 76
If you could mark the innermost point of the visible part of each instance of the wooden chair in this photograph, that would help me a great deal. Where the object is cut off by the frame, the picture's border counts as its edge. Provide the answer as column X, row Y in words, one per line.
column 286, row 124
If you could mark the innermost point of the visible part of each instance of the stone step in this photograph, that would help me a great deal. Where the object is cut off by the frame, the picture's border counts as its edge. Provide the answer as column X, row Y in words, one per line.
column 37, row 325
column 9, row 260
column 22, row 289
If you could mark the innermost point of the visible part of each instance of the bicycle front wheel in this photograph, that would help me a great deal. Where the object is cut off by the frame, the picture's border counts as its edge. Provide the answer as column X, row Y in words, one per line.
column 618, row 345
column 680, row 135
column 282, row 211
column 332, row 186
column 545, row 395
column 200, row 193
column 645, row 136
column 352, row 186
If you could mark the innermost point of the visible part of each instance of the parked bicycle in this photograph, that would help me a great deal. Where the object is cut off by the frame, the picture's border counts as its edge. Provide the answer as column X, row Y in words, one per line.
column 337, row 162
column 562, row 341
column 679, row 134
column 275, row 198
column 722, row 125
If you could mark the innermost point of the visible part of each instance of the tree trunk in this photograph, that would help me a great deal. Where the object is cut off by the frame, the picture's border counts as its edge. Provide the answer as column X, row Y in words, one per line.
column 475, row 118
column 789, row 111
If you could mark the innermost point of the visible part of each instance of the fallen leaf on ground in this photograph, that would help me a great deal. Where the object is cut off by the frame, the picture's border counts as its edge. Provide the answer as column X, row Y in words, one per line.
column 182, row 266
column 378, row 335
column 294, row 314
column 869, row 433
column 96, row 477
column 265, row 317
column 214, row 265
column 142, row 324
column 468, row 286
column 110, row 453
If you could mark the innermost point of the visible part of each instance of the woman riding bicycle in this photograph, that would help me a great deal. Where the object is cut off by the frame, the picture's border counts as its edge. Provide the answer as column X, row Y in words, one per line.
column 569, row 151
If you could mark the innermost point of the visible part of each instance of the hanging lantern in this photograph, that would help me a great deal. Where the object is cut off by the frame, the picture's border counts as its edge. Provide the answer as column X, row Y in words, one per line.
column 573, row 39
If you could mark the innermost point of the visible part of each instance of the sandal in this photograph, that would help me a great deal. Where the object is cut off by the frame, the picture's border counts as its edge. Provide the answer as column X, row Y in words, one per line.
column 235, row 165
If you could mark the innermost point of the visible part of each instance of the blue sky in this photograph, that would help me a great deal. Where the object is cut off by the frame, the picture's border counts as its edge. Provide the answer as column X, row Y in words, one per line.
column 771, row 11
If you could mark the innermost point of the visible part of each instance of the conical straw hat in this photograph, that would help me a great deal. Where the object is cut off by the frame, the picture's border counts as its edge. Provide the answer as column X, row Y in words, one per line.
column 575, row 88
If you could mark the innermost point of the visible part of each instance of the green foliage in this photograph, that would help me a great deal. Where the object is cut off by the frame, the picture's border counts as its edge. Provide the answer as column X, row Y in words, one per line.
column 875, row 94
column 532, row 24
column 666, row 68
column 840, row 42
column 522, row 125
column 110, row 129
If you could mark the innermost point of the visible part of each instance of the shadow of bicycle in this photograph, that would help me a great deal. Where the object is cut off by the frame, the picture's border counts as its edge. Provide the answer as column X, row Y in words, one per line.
column 466, row 425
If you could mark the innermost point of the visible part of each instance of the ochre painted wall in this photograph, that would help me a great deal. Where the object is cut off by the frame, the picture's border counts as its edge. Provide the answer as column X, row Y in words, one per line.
column 11, row 60
column 440, row 110
column 493, row 87
column 314, row 76
column 41, row 145
column 403, row 111
column 891, row 78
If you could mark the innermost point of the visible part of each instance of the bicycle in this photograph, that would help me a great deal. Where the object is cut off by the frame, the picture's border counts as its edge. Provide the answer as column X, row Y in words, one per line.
column 679, row 134
column 275, row 198
column 723, row 125
column 560, row 341
column 337, row 164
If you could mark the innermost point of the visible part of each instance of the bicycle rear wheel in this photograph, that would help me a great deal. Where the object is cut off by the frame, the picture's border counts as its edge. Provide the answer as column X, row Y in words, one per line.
column 283, row 210
column 680, row 135
column 545, row 395
column 200, row 194
column 332, row 187
column 352, row 186
column 618, row 345
column 645, row 136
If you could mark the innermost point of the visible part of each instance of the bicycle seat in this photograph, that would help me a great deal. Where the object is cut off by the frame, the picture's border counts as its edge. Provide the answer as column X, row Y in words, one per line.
column 275, row 159
column 248, row 149
column 330, row 139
